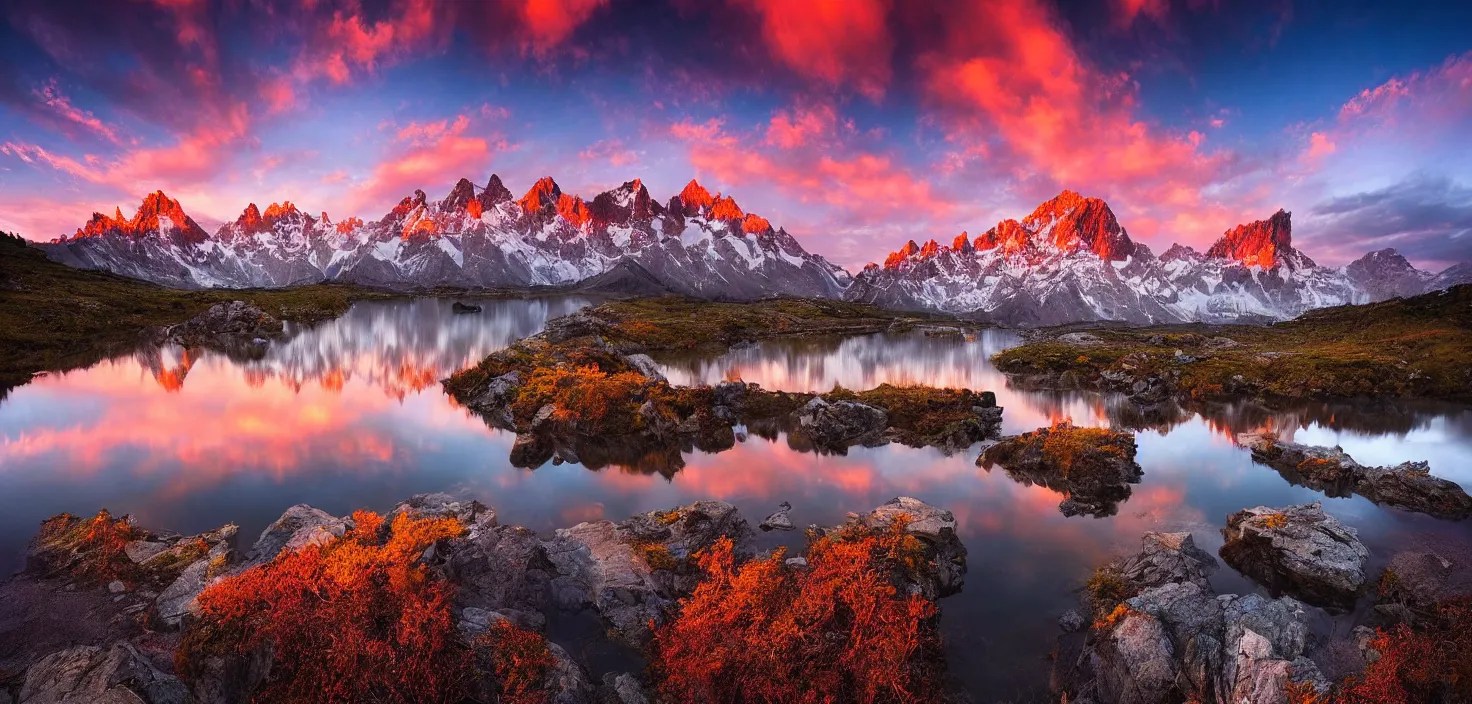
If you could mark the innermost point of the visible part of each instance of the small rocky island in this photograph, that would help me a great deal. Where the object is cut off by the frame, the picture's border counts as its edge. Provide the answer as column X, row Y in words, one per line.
column 438, row 601
column 1092, row 467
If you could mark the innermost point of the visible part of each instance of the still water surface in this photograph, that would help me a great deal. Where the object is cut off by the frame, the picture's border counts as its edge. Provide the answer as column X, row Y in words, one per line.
column 349, row 414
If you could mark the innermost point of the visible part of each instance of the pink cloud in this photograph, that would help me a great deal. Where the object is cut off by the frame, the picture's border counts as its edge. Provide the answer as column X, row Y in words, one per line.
column 1319, row 146
column 838, row 42
column 799, row 126
column 1442, row 94
column 611, row 150
column 51, row 96
column 425, row 154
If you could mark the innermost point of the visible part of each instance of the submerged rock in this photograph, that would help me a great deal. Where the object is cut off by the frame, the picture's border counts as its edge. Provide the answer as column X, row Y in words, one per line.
column 1092, row 467
column 1299, row 550
column 462, row 308
column 1408, row 485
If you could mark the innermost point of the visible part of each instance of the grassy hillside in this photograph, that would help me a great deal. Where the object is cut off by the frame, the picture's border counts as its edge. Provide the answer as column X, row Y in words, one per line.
column 55, row 317
column 1419, row 346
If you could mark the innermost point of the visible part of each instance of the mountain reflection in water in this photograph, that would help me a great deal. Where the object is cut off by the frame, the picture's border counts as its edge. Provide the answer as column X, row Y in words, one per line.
column 349, row 414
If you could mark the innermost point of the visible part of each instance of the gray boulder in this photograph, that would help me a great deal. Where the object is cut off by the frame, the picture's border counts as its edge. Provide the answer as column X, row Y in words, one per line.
column 1298, row 550
column 300, row 526
column 835, row 425
column 87, row 674
column 630, row 571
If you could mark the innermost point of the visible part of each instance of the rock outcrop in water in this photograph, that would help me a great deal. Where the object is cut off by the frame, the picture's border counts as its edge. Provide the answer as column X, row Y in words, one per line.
column 1408, row 485
column 1298, row 550
column 1167, row 637
column 1092, row 467
column 630, row 575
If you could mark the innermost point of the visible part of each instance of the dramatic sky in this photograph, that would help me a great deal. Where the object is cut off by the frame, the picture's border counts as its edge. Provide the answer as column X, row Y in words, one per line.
column 856, row 124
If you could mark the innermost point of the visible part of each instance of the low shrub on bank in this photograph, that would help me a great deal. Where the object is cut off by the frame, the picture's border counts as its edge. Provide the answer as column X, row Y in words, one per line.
column 354, row 620
column 90, row 549
column 837, row 630
column 1428, row 664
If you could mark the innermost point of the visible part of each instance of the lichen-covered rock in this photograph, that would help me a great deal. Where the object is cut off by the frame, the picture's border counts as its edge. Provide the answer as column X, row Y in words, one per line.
column 1299, row 550
column 621, row 688
column 835, row 425
column 88, row 674
column 1409, row 485
column 300, row 526
column 1092, row 467
column 936, row 529
column 180, row 599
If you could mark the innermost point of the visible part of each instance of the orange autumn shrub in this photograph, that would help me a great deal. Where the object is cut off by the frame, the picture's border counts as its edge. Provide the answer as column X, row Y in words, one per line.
column 839, row 630
column 91, row 549
column 355, row 620
column 587, row 395
column 1064, row 444
column 1429, row 664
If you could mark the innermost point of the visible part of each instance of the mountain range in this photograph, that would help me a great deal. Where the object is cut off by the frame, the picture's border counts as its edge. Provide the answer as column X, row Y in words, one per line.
column 1069, row 260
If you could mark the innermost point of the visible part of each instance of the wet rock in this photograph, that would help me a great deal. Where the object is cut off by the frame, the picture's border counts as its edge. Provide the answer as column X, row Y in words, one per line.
column 1409, row 485
column 936, row 529
column 118, row 674
column 496, row 401
column 730, row 393
column 622, row 688
column 463, row 308
column 835, row 425
column 567, row 682
column 232, row 324
column 1072, row 621
column 779, row 520
column 632, row 572
column 300, row 526
column 531, row 450
column 500, row 568
column 1298, row 550
column 1092, row 467
column 645, row 365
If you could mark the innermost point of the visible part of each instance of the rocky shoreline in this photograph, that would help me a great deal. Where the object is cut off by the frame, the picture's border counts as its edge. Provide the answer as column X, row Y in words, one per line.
column 107, row 611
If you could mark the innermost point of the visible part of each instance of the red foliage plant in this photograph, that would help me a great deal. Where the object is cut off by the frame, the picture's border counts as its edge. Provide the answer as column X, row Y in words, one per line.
column 355, row 620
column 1431, row 663
column 839, row 630
column 520, row 660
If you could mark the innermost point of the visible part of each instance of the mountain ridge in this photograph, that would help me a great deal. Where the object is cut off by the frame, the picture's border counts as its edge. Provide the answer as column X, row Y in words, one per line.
column 1068, row 260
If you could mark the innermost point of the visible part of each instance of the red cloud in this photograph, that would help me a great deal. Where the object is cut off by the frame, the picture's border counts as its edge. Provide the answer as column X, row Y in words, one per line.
column 549, row 22
column 614, row 151
column 1007, row 83
column 835, row 41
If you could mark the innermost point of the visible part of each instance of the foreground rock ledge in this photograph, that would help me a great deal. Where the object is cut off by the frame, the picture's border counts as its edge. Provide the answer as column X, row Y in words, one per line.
column 1162, row 635
column 1408, row 485
column 629, row 574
